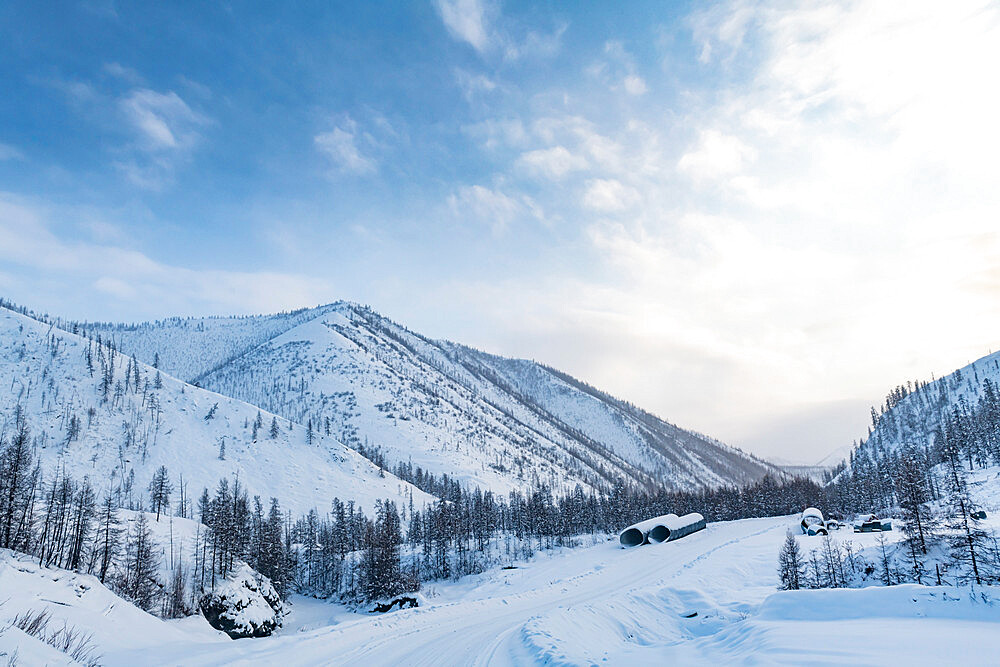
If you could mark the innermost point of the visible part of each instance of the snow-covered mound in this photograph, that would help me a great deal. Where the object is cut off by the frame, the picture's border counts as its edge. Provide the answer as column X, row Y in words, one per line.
column 244, row 605
column 492, row 422
column 119, row 631
column 96, row 414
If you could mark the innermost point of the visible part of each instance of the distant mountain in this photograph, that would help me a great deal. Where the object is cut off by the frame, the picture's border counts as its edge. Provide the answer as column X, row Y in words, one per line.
column 485, row 420
column 836, row 457
column 94, row 413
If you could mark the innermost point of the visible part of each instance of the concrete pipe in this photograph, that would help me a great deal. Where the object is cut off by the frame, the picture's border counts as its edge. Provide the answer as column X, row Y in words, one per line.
column 636, row 534
column 672, row 527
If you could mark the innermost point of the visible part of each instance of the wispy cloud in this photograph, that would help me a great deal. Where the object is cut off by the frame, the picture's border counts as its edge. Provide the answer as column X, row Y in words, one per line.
column 8, row 152
column 608, row 195
column 479, row 23
column 342, row 145
column 162, row 121
column 478, row 204
column 554, row 163
column 165, row 130
column 754, row 227
column 473, row 85
column 466, row 21
column 126, row 74
column 62, row 274
column 618, row 70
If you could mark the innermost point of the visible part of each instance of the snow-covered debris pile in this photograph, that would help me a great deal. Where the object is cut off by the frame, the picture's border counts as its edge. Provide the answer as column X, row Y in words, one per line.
column 244, row 605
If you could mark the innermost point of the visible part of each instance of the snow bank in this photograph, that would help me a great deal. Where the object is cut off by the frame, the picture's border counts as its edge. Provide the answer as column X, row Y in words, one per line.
column 904, row 601
column 118, row 628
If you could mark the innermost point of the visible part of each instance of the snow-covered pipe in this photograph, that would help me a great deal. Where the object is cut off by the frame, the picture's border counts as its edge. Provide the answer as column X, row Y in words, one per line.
column 636, row 534
column 812, row 518
column 673, row 527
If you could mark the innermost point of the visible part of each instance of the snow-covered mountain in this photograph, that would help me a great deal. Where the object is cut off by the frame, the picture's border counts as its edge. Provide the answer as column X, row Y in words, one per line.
column 94, row 413
column 485, row 420
column 914, row 414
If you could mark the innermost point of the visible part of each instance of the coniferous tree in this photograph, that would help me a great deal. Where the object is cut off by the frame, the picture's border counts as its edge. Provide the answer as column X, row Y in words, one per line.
column 160, row 489
column 790, row 565
column 108, row 538
column 969, row 544
column 19, row 479
column 138, row 580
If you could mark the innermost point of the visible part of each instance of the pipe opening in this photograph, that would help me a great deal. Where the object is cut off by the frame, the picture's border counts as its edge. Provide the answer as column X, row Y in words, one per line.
column 632, row 537
column 659, row 534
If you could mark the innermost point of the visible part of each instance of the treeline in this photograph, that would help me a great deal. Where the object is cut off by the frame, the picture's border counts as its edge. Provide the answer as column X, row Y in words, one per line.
column 345, row 554
column 342, row 553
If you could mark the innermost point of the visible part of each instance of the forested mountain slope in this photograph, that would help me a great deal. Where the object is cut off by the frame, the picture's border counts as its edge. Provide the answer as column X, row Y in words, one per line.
column 399, row 397
column 95, row 412
column 919, row 414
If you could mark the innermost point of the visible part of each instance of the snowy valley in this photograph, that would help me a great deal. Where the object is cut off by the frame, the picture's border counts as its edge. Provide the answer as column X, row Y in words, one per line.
column 227, row 488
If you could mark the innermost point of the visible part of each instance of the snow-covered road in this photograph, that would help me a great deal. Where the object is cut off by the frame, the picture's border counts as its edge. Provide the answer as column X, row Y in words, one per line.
column 708, row 598
column 575, row 606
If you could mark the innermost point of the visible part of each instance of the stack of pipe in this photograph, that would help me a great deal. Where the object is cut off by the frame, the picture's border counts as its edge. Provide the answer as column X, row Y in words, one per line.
column 637, row 534
column 675, row 527
column 664, row 528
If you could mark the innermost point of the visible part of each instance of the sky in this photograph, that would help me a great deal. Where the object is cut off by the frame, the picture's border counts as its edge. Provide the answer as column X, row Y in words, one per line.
column 751, row 218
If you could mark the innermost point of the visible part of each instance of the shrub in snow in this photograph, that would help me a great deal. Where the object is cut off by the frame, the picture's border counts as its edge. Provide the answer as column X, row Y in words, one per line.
column 244, row 605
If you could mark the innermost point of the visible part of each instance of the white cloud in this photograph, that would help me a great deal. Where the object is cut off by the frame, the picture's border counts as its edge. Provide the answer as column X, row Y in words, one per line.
column 54, row 273
column 618, row 70
column 552, row 163
column 802, row 236
column 162, row 121
column 482, row 205
column 126, row 74
column 340, row 145
column 473, row 85
column 466, row 21
column 634, row 85
column 479, row 24
column 165, row 132
column 715, row 156
column 497, row 133
column 608, row 195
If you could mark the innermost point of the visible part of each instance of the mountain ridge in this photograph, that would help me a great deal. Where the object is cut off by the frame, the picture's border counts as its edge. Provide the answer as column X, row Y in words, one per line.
column 489, row 399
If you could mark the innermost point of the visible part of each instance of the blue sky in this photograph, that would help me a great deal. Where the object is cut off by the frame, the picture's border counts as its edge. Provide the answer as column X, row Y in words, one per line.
column 743, row 216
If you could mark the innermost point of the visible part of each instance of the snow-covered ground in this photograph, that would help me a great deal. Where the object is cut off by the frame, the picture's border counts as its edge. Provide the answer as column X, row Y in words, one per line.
column 603, row 604
column 707, row 598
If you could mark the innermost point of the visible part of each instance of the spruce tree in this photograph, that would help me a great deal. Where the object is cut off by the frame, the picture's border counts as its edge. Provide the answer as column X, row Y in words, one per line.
column 790, row 565
column 160, row 489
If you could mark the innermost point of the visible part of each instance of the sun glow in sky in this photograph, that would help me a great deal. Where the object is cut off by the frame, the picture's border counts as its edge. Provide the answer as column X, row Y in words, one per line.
column 750, row 218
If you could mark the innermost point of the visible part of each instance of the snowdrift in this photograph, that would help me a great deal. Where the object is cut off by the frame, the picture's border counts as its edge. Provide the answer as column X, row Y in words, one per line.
column 902, row 601
column 118, row 628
